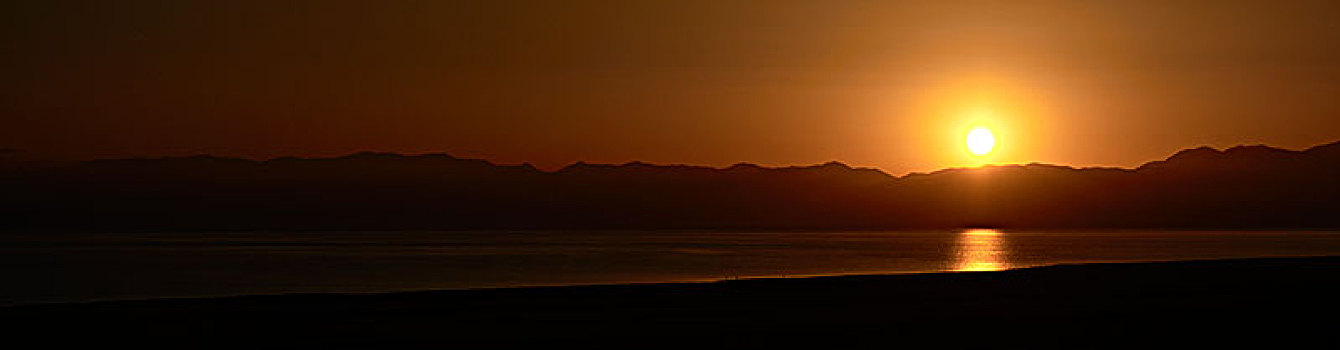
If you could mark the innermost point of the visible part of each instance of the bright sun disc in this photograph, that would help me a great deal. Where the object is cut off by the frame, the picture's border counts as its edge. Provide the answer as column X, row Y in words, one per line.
column 981, row 141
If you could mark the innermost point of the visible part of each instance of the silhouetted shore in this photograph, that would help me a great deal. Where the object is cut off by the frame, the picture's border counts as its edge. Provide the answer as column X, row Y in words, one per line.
column 1245, row 187
column 1268, row 302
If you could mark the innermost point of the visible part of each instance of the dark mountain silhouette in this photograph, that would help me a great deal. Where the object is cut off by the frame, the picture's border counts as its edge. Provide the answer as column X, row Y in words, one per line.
column 1202, row 188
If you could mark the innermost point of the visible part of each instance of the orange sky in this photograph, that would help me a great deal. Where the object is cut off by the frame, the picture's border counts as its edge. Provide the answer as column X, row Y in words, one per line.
column 869, row 83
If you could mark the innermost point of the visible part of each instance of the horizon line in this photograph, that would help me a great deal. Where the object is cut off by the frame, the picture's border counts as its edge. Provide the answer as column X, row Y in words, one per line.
column 366, row 153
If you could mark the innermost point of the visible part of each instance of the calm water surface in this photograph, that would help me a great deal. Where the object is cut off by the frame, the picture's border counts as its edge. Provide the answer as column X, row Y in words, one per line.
column 67, row 267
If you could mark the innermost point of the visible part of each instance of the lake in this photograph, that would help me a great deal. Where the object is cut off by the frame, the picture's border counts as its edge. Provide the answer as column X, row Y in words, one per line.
column 52, row 267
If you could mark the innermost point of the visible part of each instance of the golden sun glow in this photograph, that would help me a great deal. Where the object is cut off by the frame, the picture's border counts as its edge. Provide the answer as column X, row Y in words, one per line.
column 981, row 250
column 1007, row 108
column 981, row 141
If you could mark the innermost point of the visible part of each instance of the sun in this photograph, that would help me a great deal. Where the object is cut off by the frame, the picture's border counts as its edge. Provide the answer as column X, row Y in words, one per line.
column 981, row 141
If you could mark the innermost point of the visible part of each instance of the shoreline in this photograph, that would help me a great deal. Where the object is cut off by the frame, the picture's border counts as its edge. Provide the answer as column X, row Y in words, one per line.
column 1266, row 299
column 673, row 283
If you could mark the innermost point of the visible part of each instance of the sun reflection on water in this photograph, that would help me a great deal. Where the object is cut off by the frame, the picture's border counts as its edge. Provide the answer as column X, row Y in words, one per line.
column 981, row 250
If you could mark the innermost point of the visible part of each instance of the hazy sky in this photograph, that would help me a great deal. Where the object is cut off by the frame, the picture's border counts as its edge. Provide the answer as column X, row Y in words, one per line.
column 886, row 84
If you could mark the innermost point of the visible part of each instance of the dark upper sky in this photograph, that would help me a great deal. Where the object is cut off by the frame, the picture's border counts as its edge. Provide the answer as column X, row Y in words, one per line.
column 775, row 82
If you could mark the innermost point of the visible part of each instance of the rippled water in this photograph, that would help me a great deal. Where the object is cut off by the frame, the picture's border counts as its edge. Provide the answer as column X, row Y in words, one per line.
column 68, row 267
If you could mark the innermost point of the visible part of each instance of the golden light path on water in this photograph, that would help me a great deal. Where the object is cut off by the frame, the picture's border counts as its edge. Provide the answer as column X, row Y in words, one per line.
column 981, row 250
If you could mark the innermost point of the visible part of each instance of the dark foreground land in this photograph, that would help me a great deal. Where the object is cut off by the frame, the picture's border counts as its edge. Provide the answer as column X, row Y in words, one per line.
column 1266, row 303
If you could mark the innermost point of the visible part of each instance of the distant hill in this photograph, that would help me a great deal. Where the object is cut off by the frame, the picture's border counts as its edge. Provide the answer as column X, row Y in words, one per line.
column 1243, row 187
